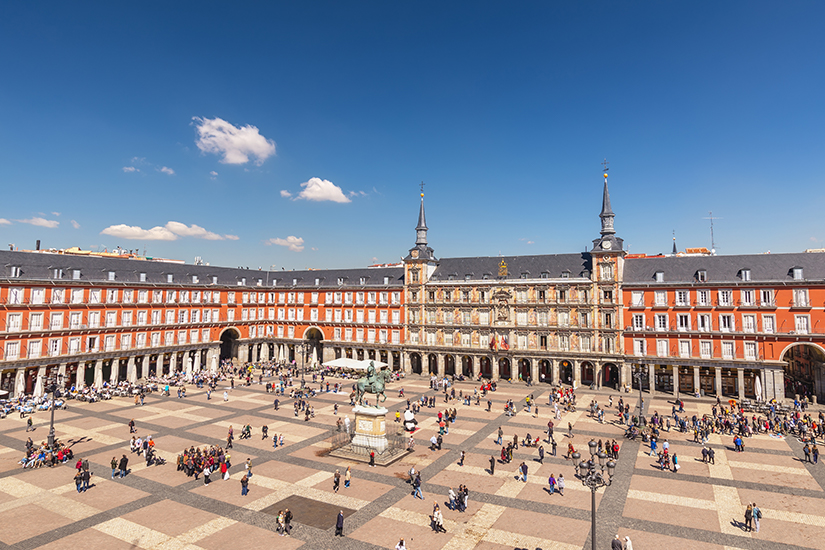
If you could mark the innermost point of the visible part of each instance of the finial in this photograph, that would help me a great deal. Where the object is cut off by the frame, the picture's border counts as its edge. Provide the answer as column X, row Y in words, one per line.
column 422, row 189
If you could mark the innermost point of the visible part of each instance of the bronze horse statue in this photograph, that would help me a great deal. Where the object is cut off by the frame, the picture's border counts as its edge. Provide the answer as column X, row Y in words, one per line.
column 374, row 382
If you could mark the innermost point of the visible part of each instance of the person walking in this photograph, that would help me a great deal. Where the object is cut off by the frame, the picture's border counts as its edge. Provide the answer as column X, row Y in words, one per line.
column 123, row 465
column 523, row 469
column 461, row 459
column 438, row 520
column 114, row 466
column 417, row 487
column 749, row 518
column 541, row 454
column 336, row 481
column 347, row 476
column 552, row 482
column 451, row 494
column 372, row 453
column 339, row 524
column 492, row 465
column 86, row 476
column 616, row 544
column 500, row 435
column 29, row 425
column 244, row 485
column 560, row 484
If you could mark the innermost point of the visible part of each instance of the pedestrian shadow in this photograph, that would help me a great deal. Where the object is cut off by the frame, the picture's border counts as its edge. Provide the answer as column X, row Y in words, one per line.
column 739, row 525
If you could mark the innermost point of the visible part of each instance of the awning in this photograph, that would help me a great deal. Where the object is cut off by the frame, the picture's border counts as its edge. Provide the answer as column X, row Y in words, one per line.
column 354, row 364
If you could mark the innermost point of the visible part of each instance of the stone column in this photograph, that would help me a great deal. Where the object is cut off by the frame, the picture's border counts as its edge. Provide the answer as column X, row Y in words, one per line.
column 196, row 366
column 265, row 351
column 173, row 363
column 80, row 375
column 38, row 384
column 719, row 381
column 740, row 379
column 131, row 371
column 577, row 374
column 144, row 367
column 61, row 373
column 651, row 378
column 534, row 370
column 187, row 363
column 697, row 381
column 597, row 374
column 624, row 374
column 159, row 364
column 675, row 380
column 99, row 373
column 554, row 372
column 441, row 369
column 476, row 365
column 494, row 368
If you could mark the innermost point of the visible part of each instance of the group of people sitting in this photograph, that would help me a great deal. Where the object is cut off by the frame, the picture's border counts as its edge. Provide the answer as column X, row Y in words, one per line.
column 43, row 455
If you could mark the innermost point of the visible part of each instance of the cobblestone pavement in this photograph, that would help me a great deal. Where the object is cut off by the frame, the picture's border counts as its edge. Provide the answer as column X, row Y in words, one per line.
column 701, row 507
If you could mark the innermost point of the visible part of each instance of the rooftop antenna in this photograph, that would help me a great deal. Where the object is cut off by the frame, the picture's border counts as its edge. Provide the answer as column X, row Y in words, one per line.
column 711, row 217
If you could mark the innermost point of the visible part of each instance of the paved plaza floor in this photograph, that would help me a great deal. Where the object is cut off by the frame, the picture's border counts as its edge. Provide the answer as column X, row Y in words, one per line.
column 701, row 507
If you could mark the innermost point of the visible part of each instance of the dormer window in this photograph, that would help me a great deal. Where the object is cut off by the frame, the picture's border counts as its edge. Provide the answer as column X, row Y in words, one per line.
column 362, row 281
column 485, row 276
column 745, row 274
column 16, row 271
column 545, row 275
column 565, row 274
column 294, row 282
column 142, row 277
column 451, row 277
column 702, row 276
column 194, row 279
column 340, row 281
column 523, row 275
column 75, row 274
column 111, row 275
column 386, row 280
column 170, row 278
column 317, row 281
column 214, row 279
column 57, row 273
column 467, row 277
column 797, row 273
column 660, row 276
column 260, row 282
column 242, row 282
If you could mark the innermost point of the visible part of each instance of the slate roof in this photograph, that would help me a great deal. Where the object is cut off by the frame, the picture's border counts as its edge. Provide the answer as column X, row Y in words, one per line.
column 40, row 266
column 554, row 265
column 726, row 269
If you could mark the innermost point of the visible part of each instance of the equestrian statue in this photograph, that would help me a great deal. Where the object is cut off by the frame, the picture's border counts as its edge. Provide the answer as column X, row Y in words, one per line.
column 373, row 382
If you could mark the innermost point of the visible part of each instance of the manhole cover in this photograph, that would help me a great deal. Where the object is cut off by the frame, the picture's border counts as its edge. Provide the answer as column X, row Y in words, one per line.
column 321, row 515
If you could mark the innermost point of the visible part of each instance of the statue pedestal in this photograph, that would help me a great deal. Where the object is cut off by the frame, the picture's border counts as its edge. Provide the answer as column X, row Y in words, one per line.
column 370, row 428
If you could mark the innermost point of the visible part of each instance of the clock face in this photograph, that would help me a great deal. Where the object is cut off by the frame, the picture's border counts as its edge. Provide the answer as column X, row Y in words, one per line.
column 606, row 245
column 414, row 254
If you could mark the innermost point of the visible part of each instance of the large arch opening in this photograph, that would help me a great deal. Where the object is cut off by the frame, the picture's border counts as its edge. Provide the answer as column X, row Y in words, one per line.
column 610, row 376
column 314, row 339
column 449, row 365
column 229, row 343
column 546, row 371
column 467, row 366
column 524, row 369
column 587, row 372
column 415, row 363
column 566, row 372
column 504, row 368
column 432, row 364
column 486, row 367
column 803, row 372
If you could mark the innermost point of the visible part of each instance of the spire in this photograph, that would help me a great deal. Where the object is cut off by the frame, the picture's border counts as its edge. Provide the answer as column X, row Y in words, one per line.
column 421, row 228
column 607, row 212
column 675, row 251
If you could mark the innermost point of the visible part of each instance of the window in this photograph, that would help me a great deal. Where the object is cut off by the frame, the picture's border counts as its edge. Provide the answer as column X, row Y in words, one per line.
column 800, row 297
column 58, row 295
column 726, row 323
column 12, row 351
column 745, row 274
column 702, row 276
column 607, row 296
column 128, row 296
column 157, row 296
column 606, row 271
column 661, row 348
column 91, row 343
column 564, row 318
column 660, row 276
column 766, row 297
column 797, row 273
column 748, row 297
column 77, row 296
column 55, row 345
column 637, row 299
column 564, row 342
column 638, row 322
column 111, row 276
column 684, row 348
column 749, row 323
column 802, row 324
column 660, row 298
column 94, row 319
column 141, row 318
column 661, row 322
column 682, row 298
column 727, row 350
column 34, row 348
column 521, row 318
column 562, row 295
column 111, row 296
column 683, row 322
column 750, row 350
column 38, row 296
column 768, row 324
column 725, row 298
column 705, row 349
column 111, row 318
column 639, row 347
column 703, row 323
column 565, row 274
column 75, row 274
column 170, row 278
column 56, row 321
column 75, row 320
column 142, row 277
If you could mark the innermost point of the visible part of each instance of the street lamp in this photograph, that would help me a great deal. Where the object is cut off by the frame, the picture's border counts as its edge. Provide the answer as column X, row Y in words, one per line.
column 592, row 475
column 302, row 348
column 639, row 376
column 52, row 386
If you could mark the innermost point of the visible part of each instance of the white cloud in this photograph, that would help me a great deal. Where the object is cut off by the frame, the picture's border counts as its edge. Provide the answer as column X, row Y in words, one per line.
column 169, row 232
column 285, row 193
column 317, row 189
column 213, row 174
column 4, row 221
column 41, row 222
column 235, row 144
column 130, row 169
column 56, row 214
column 139, row 234
column 75, row 224
column 295, row 244
column 168, row 171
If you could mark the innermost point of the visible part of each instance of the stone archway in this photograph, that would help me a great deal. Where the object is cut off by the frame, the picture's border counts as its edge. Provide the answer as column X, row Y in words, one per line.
column 546, row 369
column 504, row 371
column 610, row 376
column 588, row 372
column 449, row 365
column 524, row 369
column 415, row 363
column 467, row 366
column 485, row 367
column 229, row 343
column 804, row 369
column 566, row 372
column 432, row 364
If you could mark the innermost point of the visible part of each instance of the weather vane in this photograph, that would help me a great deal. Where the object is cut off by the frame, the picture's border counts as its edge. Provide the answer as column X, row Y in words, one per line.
column 604, row 165
column 422, row 188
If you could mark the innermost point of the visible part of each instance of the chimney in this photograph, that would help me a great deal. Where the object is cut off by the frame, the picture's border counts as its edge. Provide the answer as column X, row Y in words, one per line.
column 37, row 245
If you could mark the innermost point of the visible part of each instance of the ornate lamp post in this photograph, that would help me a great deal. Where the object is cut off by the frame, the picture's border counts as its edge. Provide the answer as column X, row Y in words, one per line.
column 52, row 386
column 592, row 475
column 638, row 375
column 302, row 348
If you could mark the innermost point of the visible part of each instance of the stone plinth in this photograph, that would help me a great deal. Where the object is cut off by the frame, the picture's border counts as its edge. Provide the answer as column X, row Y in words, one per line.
column 370, row 428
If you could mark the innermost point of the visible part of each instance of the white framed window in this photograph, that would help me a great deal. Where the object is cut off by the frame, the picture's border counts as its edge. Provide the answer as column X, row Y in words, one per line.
column 703, row 298
column 111, row 318
column 750, row 350
column 662, row 348
column 769, row 324
column 111, row 295
column 684, row 348
column 661, row 322
column 727, row 350
column 800, row 297
column 58, row 295
column 748, row 297
column 12, row 352
column 766, row 297
column 56, row 321
column 726, row 323
column 77, row 296
column 705, row 349
column 606, row 272
column 38, row 296
column 802, row 324
column 683, row 322
column 36, row 321
column 637, row 298
column 725, row 298
column 639, row 347
column 35, row 348
column 155, row 339
column 703, row 323
column 14, row 322
column 75, row 345
column 55, row 346
column 660, row 298
column 638, row 321
column 749, row 323
column 94, row 319
column 141, row 340
column 682, row 298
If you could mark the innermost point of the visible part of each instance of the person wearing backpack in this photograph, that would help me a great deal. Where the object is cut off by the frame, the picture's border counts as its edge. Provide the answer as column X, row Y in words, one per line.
column 757, row 517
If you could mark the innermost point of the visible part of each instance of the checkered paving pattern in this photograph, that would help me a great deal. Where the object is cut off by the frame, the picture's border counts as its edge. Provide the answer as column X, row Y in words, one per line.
column 159, row 508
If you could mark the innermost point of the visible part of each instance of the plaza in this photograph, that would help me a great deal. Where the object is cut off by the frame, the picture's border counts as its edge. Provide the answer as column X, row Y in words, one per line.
column 158, row 507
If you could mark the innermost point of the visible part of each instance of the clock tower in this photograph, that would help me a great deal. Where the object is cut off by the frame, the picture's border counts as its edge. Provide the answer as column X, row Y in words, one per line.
column 608, row 242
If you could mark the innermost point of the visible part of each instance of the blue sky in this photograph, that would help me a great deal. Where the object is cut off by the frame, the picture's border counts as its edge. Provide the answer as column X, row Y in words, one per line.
column 181, row 127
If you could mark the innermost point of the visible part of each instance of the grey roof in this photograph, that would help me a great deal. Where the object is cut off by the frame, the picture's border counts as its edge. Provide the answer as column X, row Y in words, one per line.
column 41, row 266
column 763, row 267
column 554, row 265
column 606, row 209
